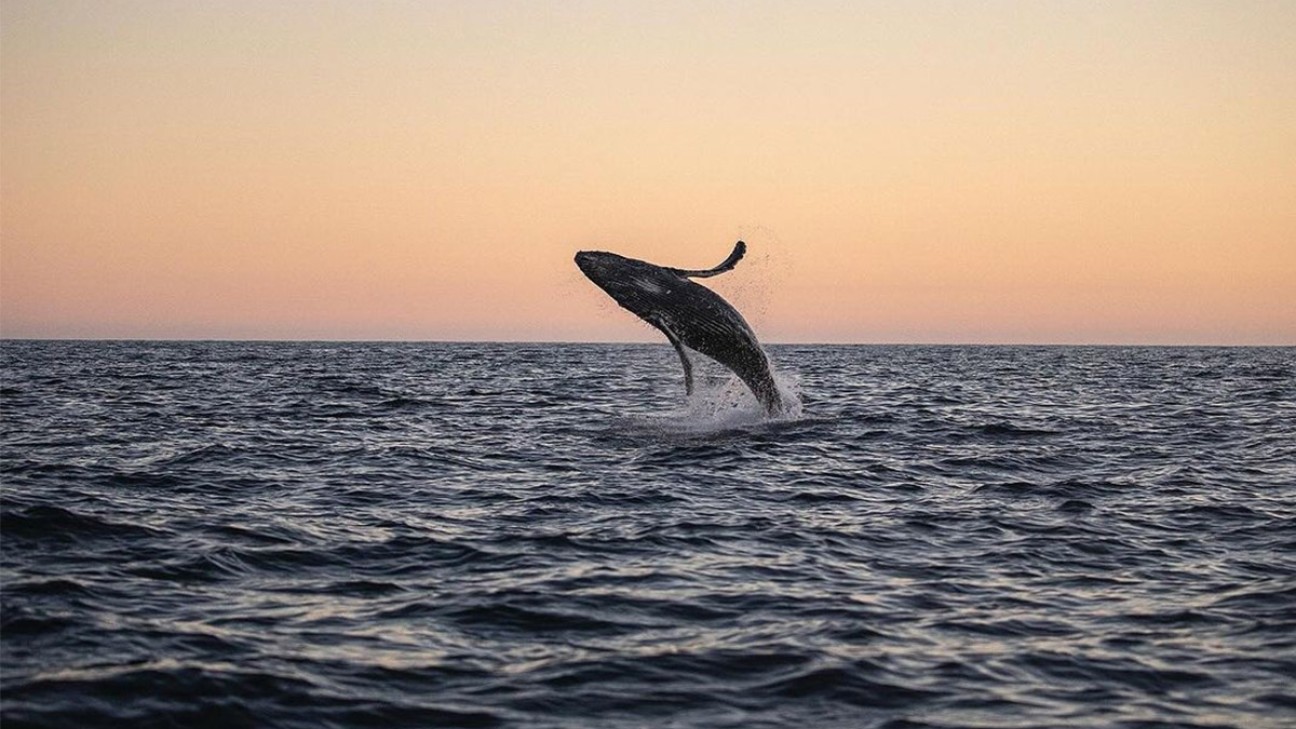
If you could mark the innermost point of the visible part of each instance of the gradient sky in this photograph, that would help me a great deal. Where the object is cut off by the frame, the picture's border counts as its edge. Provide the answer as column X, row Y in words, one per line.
column 909, row 171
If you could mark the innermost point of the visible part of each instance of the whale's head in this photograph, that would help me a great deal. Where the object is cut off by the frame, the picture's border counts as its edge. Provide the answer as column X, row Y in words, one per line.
column 636, row 285
column 599, row 266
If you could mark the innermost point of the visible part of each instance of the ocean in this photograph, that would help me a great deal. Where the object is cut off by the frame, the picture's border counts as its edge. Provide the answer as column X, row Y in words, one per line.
column 257, row 534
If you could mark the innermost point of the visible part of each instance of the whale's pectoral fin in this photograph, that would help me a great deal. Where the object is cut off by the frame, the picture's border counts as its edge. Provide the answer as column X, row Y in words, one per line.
column 740, row 250
column 684, row 360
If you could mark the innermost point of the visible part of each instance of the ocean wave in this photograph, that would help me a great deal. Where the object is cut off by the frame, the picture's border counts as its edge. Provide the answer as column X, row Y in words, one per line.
column 325, row 534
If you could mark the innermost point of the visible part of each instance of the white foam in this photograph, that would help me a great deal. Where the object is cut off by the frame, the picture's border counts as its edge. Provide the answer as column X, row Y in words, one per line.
column 719, row 406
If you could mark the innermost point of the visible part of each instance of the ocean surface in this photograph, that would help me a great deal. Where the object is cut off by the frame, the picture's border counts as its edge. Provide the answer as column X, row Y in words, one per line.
column 311, row 535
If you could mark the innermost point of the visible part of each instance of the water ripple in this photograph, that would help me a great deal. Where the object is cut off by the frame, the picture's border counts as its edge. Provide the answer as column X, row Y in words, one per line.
column 493, row 535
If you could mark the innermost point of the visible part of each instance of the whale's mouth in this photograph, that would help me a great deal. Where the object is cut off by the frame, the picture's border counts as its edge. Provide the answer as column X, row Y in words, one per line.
column 588, row 262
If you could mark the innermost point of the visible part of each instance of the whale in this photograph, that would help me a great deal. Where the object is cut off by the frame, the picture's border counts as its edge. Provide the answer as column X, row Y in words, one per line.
column 692, row 316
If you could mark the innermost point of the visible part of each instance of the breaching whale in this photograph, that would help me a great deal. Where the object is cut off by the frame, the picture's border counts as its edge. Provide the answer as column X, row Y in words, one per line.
column 689, row 314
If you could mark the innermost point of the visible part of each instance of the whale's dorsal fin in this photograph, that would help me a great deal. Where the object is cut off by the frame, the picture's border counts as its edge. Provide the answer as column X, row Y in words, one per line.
column 740, row 250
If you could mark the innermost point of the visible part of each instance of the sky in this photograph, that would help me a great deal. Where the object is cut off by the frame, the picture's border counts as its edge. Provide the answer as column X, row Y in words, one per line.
column 909, row 171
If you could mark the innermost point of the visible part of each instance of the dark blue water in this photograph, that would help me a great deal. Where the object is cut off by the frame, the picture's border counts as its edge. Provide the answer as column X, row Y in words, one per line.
column 447, row 535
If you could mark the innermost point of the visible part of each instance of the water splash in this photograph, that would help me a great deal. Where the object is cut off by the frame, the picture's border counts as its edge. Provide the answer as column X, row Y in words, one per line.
column 721, row 405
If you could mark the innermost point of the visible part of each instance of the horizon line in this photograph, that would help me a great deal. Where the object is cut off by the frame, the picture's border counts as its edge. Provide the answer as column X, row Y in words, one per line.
column 271, row 340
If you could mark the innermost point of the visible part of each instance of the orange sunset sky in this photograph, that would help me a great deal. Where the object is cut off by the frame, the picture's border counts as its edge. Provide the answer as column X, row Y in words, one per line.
column 908, row 171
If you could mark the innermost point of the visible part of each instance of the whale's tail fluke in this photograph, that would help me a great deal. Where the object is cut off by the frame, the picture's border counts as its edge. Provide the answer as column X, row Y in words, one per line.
column 740, row 250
